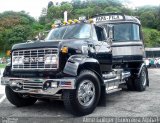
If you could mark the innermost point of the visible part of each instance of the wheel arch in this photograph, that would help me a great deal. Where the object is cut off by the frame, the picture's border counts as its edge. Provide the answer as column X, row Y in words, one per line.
column 96, row 70
column 77, row 63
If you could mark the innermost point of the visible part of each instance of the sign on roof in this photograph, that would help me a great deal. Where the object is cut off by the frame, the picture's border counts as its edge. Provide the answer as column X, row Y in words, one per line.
column 82, row 18
column 108, row 18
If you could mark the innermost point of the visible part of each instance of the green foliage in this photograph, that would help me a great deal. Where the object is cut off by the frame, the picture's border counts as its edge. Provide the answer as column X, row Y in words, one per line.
column 151, row 37
column 54, row 12
column 42, row 20
column 57, row 11
column 16, row 27
column 2, row 65
column 149, row 16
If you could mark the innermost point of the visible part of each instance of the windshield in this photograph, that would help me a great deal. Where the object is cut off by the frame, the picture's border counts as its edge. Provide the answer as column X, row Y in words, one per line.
column 77, row 31
column 126, row 32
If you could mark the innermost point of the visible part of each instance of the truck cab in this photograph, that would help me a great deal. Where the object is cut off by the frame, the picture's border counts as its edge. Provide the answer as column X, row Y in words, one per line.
column 78, row 62
column 127, row 43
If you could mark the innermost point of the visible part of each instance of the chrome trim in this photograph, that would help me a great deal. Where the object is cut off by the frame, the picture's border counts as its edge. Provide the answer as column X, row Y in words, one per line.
column 112, row 80
column 18, row 84
column 86, row 93
column 119, row 78
column 127, row 50
column 141, row 69
column 125, row 74
column 37, row 51
column 127, row 43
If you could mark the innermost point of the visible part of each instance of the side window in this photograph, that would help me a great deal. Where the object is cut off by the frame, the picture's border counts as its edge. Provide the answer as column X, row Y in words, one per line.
column 100, row 33
column 126, row 32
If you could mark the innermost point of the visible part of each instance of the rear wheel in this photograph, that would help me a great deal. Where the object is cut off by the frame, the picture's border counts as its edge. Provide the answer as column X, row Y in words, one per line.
column 83, row 100
column 18, row 99
column 141, row 81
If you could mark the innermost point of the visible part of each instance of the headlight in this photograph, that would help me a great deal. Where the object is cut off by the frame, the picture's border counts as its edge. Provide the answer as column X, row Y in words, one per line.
column 18, row 60
column 51, row 59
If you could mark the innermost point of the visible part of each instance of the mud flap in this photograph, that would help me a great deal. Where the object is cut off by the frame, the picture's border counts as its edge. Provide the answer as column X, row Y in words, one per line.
column 102, row 100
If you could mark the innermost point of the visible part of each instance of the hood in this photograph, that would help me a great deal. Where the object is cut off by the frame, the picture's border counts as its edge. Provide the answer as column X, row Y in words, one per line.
column 36, row 44
column 74, row 43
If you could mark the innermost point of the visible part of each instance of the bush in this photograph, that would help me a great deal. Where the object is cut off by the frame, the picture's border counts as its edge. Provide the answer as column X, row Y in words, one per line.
column 151, row 37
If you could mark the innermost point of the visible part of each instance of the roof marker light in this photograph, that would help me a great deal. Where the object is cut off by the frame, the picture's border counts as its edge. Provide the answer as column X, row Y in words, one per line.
column 54, row 26
column 65, row 23
column 70, row 21
column 76, row 21
column 90, row 20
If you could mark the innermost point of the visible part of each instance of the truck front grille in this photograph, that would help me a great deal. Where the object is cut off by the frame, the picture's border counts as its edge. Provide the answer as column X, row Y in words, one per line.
column 32, row 85
column 34, row 59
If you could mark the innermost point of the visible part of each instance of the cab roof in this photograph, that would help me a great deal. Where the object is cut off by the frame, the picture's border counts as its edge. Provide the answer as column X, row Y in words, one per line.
column 114, row 18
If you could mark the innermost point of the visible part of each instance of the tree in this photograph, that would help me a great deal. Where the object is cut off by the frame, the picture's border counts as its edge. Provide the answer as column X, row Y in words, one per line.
column 42, row 20
column 66, row 7
column 16, row 27
column 56, row 12
column 148, row 19
column 158, row 18
column 50, row 3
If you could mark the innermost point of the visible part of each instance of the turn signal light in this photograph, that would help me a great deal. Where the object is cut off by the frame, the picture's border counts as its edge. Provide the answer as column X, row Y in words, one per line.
column 64, row 50
column 8, row 53
column 76, row 21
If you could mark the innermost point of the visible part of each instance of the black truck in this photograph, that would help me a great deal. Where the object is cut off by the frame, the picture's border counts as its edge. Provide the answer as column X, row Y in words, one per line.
column 78, row 63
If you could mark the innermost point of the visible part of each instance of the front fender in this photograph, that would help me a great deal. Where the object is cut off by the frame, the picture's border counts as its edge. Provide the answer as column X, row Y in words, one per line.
column 76, row 63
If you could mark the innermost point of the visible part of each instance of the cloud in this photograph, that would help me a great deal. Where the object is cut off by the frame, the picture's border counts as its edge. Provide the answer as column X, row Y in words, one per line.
column 145, row 2
column 34, row 7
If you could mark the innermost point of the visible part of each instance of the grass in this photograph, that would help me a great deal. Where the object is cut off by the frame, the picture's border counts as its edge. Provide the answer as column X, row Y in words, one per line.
column 2, row 65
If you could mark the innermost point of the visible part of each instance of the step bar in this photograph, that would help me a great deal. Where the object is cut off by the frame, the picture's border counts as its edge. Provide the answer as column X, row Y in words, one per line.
column 112, row 85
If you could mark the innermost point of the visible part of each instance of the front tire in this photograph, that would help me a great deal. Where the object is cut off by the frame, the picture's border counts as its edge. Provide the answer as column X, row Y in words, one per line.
column 18, row 100
column 83, row 100
column 141, row 81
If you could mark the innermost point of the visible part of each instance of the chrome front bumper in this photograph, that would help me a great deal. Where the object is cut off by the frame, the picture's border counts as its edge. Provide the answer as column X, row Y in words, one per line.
column 38, row 86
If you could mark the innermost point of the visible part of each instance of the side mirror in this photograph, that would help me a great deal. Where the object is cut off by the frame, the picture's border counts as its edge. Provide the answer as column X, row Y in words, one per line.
column 109, row 41
column 110, row 34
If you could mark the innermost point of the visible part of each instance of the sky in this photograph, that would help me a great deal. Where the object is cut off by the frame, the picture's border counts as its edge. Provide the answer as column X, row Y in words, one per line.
column 34, row 7
column 138, row 3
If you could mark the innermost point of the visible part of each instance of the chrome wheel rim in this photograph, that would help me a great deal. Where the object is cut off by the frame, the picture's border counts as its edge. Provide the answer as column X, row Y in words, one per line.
column 144, row 78
column 86, row 93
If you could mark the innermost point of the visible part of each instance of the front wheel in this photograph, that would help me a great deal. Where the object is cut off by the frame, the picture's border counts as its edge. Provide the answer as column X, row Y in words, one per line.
column 18, row 99
column 141, row 81
column 83, row 100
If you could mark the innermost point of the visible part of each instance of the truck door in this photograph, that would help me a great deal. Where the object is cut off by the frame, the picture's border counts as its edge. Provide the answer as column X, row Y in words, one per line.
column 103, row 49
column 127, row 43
